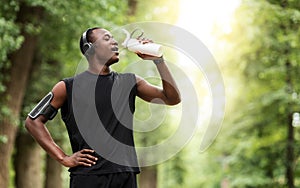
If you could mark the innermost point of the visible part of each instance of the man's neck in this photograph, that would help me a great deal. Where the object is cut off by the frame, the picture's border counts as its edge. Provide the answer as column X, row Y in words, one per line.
column 99, row 69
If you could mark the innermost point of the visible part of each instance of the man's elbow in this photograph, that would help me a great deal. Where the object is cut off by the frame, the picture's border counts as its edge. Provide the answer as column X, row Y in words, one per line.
column 29, row 124
column 175, row 101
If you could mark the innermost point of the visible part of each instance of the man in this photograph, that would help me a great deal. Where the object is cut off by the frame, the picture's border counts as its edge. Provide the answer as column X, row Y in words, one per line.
column 97, row 107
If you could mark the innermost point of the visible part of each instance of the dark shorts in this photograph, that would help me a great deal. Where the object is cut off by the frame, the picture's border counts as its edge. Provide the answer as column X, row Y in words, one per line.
column 116, row 180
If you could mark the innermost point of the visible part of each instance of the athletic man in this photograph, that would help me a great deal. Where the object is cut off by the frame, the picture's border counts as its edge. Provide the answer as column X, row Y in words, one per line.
column 102, row 154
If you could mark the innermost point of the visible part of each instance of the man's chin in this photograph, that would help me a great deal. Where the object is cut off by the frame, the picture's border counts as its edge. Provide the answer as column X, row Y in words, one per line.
column 114, row 59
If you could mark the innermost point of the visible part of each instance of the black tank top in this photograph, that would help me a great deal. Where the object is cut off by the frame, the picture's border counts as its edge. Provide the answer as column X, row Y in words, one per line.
column 98, row 114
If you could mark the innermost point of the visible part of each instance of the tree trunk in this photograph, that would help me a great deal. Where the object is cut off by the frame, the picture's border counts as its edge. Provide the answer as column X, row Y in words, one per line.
column 28, row 162
column 132, row 4
column 53, row 173
column 148, row 177
column 290, row 142
column 290, row 159
column 21, row 62
column 6, row 149
column 290, row 156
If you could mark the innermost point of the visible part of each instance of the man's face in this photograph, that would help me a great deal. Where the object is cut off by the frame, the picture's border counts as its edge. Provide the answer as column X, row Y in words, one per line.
column 105, row 46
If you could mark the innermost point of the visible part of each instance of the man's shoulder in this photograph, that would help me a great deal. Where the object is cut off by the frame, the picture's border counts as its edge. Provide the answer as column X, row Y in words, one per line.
column 125, row 74
column 77, row 76
column 68, row 79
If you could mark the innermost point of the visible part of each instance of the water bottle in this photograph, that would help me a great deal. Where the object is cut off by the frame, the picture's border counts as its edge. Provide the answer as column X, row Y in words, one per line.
column 135, row 45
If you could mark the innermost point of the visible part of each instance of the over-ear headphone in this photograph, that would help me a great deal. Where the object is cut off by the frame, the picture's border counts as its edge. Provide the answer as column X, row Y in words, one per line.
column 86, row 45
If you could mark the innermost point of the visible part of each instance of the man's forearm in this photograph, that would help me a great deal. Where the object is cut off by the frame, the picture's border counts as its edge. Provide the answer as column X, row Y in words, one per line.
column 41, row 134
column 169, row 85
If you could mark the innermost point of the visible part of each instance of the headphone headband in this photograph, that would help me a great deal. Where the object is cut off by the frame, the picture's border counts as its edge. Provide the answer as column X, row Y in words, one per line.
column 86, row 45
column 84, row 37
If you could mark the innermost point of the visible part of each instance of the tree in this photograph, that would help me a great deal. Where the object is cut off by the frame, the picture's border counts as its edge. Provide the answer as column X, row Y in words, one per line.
column 18, row 73
column 264, row 45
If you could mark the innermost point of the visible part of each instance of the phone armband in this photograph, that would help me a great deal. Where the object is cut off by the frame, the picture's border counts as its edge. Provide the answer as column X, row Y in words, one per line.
column 44, row 108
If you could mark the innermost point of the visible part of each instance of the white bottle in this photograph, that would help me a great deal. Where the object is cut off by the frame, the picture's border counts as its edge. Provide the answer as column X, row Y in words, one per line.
column 135, row 45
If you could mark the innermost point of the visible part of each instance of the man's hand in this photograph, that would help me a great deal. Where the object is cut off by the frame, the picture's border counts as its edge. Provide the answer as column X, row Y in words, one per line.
column 147, row 57
column 81, row 158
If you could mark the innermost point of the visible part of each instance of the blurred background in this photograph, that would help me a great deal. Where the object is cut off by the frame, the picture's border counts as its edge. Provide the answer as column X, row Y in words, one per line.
column 256, row 44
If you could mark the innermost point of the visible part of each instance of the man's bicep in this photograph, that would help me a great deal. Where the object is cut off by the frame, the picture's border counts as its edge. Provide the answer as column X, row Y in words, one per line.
column 147, row 91
column 47, row 107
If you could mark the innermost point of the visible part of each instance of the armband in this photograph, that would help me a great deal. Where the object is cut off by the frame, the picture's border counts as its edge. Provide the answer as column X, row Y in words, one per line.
column 44, row 108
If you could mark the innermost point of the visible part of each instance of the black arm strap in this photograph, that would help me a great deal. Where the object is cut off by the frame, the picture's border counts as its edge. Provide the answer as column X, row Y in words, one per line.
column 49, row 112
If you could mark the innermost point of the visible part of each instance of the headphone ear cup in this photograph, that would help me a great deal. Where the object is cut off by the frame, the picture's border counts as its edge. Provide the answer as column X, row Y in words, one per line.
column 88, row 48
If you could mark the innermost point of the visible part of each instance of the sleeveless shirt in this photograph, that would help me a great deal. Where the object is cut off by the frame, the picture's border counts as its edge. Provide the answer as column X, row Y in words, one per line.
column 98, row 114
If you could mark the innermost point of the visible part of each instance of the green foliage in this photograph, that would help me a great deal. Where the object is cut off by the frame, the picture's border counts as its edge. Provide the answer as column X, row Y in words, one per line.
column 8, row 9
column 3, row 139
column 265, row 59
column 173, row 173
column 10, row 40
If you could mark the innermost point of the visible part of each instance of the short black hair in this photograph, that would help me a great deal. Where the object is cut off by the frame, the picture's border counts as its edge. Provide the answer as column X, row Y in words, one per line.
column 88, row 38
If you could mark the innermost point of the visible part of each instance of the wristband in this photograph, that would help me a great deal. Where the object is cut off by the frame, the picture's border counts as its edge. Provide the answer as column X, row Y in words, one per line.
column 159, row 60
